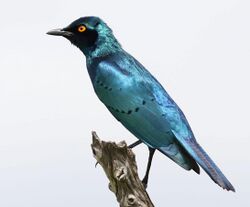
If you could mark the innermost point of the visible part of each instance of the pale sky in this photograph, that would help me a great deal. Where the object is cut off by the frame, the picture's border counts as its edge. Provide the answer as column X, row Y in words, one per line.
column 198, row 50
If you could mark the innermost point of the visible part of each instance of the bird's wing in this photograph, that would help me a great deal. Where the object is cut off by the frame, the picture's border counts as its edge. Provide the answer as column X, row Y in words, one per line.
column 124, row 92
column 159, row 118
column 182, row 131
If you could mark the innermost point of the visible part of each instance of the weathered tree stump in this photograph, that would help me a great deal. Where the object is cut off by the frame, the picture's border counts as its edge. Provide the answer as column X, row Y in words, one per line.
column 118, row 162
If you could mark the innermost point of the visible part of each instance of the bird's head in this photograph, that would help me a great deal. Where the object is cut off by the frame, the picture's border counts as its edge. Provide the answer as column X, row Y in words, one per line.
column 91, row 35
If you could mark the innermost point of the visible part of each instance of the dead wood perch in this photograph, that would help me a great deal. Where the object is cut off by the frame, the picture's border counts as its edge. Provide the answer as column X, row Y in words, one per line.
column 118, row 162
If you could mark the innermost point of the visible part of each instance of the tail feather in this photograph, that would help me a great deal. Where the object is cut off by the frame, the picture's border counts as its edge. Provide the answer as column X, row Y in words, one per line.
column 179, row 155
column 208, row 165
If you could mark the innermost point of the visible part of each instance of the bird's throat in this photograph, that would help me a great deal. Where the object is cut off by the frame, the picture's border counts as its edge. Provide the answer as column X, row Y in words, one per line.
column 102, row 47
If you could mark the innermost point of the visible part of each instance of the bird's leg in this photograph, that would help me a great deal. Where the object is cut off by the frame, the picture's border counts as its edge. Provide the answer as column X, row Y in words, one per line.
column 134, row 144
column 150, row 157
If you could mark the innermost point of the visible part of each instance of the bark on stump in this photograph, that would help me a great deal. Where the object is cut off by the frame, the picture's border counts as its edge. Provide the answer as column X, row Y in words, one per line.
column 118, row 162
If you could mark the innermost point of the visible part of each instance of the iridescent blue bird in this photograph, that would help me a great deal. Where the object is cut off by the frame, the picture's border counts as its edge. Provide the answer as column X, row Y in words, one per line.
column 136, row 99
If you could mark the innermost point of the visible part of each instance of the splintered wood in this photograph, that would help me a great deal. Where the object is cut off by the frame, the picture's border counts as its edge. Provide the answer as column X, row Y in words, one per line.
column 118, row 162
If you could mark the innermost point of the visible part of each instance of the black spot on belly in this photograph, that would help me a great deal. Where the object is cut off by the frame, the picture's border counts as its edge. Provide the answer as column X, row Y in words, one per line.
column 137, row 109
column 103, row 85
column 129, row 112
column 143, row 102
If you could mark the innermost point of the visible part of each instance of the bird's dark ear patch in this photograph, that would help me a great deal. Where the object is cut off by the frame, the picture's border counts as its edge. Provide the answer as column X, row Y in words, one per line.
column 91, row 37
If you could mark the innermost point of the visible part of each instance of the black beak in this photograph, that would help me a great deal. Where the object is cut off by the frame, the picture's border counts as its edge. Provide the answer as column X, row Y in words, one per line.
column 60, row 32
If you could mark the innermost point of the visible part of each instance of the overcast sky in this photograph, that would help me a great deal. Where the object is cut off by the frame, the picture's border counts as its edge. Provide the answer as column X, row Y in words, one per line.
column 198, row 50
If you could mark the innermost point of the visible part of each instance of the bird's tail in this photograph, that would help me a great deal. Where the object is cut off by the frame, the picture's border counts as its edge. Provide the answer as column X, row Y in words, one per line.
column 209, row 166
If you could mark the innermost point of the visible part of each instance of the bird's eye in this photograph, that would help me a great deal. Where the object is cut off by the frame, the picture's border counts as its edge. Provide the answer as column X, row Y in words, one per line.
column 81, row 28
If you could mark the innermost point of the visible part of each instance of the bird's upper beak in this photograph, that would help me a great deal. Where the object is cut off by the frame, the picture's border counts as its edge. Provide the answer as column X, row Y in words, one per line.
column 60, row 32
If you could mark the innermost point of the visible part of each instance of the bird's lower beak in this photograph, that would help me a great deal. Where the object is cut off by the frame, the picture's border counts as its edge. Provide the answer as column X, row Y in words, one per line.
column 60, row 32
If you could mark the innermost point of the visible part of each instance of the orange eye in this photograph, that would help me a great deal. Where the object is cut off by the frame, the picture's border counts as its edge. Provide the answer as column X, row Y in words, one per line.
column 81, row 28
